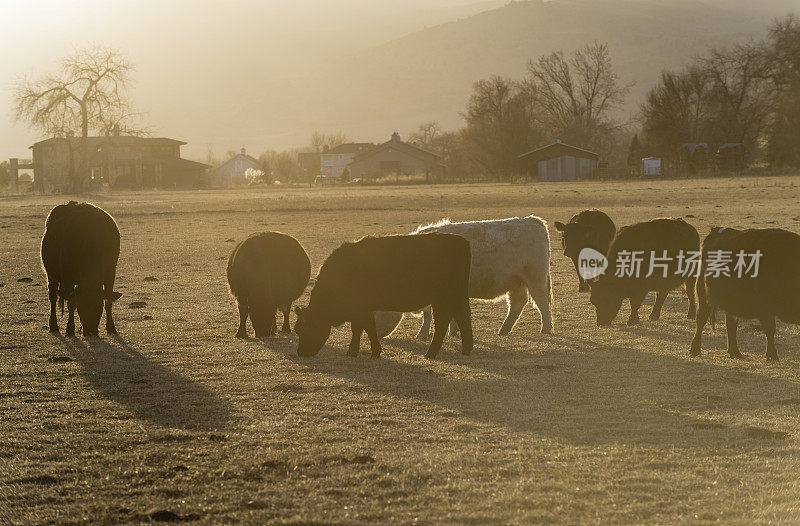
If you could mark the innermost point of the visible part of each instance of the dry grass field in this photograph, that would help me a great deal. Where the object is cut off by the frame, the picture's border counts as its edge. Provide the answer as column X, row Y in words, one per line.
column 176, row 420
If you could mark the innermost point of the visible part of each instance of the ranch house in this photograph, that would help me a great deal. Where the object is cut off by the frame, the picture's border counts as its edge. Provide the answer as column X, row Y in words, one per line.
column 115, row 160
column 333, row 162
column 395, row 158
column 234, row 170
column 560, row 162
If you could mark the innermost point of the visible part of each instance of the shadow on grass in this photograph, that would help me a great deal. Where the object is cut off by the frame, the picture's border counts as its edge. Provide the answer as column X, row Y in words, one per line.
column 575, row 390
column 149, row 390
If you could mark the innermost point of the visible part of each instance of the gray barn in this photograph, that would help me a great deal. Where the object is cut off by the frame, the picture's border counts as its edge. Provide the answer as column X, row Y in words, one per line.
column 560, row 162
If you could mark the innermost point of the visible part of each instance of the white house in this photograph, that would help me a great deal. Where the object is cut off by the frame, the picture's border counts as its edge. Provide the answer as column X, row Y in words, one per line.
column 233, row 171
column 333, row 161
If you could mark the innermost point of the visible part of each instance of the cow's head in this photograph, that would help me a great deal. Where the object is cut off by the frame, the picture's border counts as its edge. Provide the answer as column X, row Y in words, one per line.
column 606, row 300
column 89, row 303
column 575, row 237
column 312, row 331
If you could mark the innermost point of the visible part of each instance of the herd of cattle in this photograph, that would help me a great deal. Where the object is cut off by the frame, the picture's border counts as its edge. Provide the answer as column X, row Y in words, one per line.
column 436, row 269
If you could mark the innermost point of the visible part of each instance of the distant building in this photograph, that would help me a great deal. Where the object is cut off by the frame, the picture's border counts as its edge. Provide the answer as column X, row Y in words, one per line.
column 560, row 162
column 731, row 157
column 115, row 160
column 234, row 170
column 395, row 158
column 651, row 166
column 693, row 156
column 333, row 162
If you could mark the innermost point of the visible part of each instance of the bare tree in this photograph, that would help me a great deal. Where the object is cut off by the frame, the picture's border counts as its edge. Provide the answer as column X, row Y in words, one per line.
column 319, row 141
column 89, row 94
column 574, row 96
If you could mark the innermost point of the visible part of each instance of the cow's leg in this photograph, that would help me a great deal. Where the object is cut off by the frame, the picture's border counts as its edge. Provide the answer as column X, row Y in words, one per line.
column 731, row 323
column 286, row 309
column 355, row 340
column 517, row 298
column 109, row 277
column 52, row 290
column 689, row 285
column 700, row 322
column 427, row 317
column 441, row 320
column 372, row 334
column 636, row 302
column 463, row 317
column 542, row 297
column 243, row 312
column 583, row 286
column 273, row 320
column 661, row 296
column 70, row 331
column 768, row 324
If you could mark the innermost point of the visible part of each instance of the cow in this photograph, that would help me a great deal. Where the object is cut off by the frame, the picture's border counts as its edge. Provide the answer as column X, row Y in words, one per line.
column 393, row 273
column 771, row 288
column 79, row 252
column 665, row 248
column 587, row 229
column 266, row 272
column 510, row 259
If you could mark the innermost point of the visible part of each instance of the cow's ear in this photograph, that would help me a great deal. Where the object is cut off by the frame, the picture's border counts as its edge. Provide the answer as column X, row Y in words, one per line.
column 112, row 296
column 560, row 226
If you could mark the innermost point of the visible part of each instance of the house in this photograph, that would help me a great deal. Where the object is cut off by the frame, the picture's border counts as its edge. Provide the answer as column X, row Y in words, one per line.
column 395, row 158
column 333, row 162
column 234, row 170
column 560, row 162
column 114, row 160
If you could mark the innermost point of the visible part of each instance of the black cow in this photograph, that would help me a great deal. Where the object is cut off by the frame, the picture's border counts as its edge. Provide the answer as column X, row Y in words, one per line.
column 394, row 273
column 80, row 249
column 772, row 290
column 647, row 239
column 590, row 228
column 267, row 271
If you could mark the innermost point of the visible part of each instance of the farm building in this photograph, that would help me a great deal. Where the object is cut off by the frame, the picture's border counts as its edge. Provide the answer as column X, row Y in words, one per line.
column 333, row 162
column 234, row 170
column 651, row 166
column 560, row 162
column 115, row 160
column 693, row 156
column 395, row 158
column 731, row 157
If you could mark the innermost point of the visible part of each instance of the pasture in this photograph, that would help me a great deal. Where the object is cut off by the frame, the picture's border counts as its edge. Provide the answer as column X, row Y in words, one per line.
column 177, row 420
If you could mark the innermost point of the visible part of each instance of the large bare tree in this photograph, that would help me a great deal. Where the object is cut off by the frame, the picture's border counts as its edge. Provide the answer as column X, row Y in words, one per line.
column 89, row 94
column 574, row 96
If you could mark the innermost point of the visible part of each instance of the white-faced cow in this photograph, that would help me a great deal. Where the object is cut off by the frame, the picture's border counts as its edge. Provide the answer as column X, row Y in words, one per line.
column 510, row 259
column 395, row 273
column 266, row 272
column 760, row 280
column 80, row 249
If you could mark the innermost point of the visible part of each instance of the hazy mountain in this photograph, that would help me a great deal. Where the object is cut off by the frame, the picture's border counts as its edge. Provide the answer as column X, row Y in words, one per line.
column 428, row 74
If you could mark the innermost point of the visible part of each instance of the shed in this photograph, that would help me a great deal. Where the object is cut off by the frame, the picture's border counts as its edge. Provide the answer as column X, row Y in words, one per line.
column 651, row 166
column 560, row 162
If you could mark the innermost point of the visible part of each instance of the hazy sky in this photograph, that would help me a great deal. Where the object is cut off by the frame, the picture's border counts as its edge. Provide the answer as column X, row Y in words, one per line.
column 257, row 74
column 197, row 60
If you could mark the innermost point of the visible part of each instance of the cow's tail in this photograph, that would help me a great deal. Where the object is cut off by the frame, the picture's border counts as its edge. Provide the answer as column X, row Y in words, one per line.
column 61, row 305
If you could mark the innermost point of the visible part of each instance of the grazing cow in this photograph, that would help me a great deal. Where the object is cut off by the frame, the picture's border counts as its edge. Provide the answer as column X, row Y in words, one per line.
column 587, row 229
column 266, row 272
column 80, row 249
column 394, row 273
column 771, row 290
column 510, row 259
column 663, row 247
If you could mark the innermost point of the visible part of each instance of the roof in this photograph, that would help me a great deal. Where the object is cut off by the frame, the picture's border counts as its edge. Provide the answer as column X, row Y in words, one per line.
column 116, row 140
column 179, row 163
column 350, row 147
column 557, row 149
column 244, row 156
column 404, row 147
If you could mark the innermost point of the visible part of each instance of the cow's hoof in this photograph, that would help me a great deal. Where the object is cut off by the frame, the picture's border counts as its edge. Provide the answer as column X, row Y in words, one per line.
column 735, row 354
column 772, row 357
column 632, row 322
column 111, row 330
column 375, row 355
column 54, row 329
column 69, row 333
column 654, row 317
column 352, row 353
column 431, row 355
column 547, row 331
column 241, row 335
